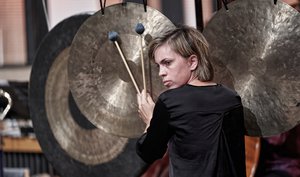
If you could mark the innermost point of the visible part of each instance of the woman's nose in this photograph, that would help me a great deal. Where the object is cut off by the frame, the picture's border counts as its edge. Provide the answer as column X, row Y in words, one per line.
column 162, row 71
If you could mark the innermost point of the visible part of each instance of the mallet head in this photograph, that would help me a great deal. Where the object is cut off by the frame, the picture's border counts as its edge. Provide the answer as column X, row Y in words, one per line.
column 113, row 36
column 139, row 28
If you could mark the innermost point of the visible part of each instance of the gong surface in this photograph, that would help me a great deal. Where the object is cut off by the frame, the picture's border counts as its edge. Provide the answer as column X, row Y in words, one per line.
column 74, row 149
column 98, row 78
column 255, row 48
column 88, row 145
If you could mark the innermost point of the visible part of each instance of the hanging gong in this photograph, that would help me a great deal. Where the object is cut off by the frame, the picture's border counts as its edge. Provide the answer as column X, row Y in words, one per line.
column 255, row 48
column 73, row 145
column 98, row 78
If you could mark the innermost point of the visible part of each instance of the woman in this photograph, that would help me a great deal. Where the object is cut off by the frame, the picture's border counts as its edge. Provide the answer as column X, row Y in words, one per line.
column 200, row 122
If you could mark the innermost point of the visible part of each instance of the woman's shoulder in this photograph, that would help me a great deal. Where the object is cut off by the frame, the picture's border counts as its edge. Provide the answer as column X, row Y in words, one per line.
column 172, row 93
column 191, row 88
column 229, row 95
column 228, row 90
column 174, row 90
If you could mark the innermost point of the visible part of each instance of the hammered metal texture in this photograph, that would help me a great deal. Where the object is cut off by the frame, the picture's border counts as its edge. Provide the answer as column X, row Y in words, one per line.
column 98, row 78
column 255, row 48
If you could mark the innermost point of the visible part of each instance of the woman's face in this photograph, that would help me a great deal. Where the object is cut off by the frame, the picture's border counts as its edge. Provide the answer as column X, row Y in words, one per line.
column 173, row 68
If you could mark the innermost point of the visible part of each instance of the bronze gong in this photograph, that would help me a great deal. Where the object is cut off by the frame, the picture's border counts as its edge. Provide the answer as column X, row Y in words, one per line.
column 99, row 80
column 255, row 48
column 89, row 146
column 73, row 145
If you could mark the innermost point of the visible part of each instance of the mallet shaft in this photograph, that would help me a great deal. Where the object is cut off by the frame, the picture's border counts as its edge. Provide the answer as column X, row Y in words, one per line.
column 127, row 67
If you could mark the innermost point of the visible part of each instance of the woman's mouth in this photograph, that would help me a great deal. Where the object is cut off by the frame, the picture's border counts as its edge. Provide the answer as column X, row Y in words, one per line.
column 167, row 83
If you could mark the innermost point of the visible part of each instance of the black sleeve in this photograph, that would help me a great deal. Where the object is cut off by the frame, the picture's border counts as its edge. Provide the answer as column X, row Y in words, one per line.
column 153, row 144
column 233, row 127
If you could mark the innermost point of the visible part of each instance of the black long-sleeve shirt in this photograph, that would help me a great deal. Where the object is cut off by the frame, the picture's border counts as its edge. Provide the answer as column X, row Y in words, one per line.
column 203, row 129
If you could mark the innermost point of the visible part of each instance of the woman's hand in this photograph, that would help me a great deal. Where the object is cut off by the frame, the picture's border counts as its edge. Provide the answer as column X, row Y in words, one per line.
column 146, row 106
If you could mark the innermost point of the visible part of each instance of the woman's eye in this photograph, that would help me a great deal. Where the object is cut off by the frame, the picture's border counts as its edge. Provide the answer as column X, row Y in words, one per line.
column 167, row 63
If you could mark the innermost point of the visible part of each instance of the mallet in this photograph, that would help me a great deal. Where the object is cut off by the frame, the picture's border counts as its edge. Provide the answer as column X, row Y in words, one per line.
column 113, row 36
column 140, row 29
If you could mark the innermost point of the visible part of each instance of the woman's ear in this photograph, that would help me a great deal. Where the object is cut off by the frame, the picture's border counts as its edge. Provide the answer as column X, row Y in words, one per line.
column 193, row 59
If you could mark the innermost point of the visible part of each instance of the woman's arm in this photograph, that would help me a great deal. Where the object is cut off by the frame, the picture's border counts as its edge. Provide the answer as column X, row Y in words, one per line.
column 152, row 145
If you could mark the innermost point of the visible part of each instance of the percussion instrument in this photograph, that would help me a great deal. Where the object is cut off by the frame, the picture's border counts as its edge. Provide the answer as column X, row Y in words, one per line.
column 99, row 81
column 73, row 145
column 255, row 50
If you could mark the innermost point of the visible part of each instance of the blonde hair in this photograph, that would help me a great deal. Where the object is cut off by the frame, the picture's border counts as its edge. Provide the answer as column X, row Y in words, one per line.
column 187, row 41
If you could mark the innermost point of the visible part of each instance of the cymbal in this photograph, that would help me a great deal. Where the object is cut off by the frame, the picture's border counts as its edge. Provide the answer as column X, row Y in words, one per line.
column 73, row 145
column 255, row 48
column 98, row 79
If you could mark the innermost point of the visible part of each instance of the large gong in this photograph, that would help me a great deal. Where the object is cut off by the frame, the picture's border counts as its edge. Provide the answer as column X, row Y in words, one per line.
column 73, row 145
column 98, row 78
column 255, row 48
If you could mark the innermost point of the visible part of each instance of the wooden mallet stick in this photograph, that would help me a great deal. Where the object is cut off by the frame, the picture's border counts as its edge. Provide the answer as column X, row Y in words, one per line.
column 140, row 29
column 113, row 36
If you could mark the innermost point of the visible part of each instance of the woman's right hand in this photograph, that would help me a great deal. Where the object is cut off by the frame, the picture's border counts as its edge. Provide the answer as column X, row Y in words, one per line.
column 146, row 107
